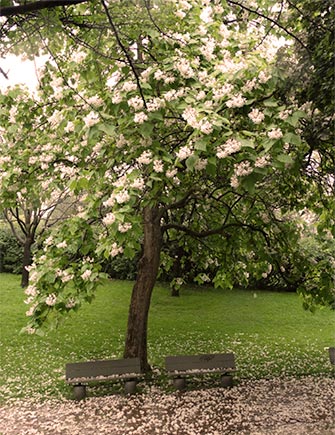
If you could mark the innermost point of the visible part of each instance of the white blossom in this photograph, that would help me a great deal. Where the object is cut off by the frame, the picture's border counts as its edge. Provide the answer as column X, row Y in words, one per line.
column 91, row 119
column 62, row 244
column 145, row 158
column 158, row 166
column 229, row 147
column 136, row 103
column 122, row 197
column 256, row 116
column 138, row 183
column 140, row 117
column 236, row 101
column 275, row 133
column 51, row 300
column 86, row 275
column 109, row 219
column 124, row 227
column 116, row 250
column 206, row 15
column 184, row 152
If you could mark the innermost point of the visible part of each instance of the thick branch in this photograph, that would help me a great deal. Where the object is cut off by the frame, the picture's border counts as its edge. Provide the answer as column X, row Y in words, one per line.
column 36, row 6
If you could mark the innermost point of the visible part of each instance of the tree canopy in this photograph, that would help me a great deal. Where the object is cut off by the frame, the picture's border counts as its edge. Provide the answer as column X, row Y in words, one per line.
column 176, row 131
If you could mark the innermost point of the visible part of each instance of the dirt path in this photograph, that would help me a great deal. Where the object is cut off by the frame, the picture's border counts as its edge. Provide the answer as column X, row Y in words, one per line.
column 266, row 407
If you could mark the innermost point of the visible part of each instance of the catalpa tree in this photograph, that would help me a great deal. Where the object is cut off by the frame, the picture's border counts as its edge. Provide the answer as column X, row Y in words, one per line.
column 179, row 136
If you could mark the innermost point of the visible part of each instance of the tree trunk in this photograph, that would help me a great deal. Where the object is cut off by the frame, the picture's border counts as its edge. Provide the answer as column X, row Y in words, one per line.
column 136, row 340
column 27, row 259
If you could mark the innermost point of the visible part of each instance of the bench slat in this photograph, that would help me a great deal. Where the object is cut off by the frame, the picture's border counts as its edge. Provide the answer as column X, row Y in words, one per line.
column 102, row 369
column 190, row 363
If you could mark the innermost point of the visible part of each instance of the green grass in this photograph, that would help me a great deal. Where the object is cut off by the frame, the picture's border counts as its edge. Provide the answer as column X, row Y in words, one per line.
column 270, row 334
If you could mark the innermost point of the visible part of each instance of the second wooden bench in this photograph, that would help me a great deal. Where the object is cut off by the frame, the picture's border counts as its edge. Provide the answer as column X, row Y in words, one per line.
column 180, row 366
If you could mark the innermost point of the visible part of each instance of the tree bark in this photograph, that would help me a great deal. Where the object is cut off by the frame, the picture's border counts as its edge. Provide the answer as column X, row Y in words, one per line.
column 136, row 339
column 27, row 259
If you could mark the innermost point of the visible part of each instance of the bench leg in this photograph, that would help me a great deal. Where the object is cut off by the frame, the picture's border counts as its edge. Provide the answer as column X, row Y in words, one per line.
column 79, row 392
column 130, row 386
column 179, row 384
column 226, row 381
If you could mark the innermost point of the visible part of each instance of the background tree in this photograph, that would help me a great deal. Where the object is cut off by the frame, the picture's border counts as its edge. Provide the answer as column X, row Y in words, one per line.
column 31, row 198
column 176, row 129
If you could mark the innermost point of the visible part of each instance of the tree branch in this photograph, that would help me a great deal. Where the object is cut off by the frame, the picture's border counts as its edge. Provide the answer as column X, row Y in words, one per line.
column 276, row 23
column 8, row 11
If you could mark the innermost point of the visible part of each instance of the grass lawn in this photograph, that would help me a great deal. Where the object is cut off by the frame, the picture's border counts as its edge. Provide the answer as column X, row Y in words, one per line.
column 270, row 334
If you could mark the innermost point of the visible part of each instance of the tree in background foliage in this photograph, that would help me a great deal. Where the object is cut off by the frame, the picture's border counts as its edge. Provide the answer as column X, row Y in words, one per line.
column 178, row 132
column 31, row 200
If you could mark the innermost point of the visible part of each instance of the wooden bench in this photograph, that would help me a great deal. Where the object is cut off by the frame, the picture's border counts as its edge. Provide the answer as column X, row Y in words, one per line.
column 178, row 367
column 82, row 373
column 332, row 355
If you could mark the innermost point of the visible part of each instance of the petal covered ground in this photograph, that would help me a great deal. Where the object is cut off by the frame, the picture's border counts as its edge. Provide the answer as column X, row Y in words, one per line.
column 262, row 407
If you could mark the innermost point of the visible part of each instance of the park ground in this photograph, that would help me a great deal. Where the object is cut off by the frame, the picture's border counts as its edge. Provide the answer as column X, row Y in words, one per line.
column 284, row 383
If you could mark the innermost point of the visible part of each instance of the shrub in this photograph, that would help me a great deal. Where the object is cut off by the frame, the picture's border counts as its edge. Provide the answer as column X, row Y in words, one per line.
column 11, row 253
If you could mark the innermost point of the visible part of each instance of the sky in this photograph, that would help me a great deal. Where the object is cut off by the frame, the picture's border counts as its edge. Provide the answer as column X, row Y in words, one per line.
column 19, row 71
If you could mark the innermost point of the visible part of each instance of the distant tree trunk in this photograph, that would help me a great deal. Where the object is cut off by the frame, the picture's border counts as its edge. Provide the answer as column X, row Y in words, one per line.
column 27, row 259
column 136, row 339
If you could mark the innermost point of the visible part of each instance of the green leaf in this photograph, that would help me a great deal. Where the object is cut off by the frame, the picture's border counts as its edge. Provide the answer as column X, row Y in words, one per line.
column 201, row 145
column 284, row 158
column 146, row 129
column 190, row 162
column 107, row 128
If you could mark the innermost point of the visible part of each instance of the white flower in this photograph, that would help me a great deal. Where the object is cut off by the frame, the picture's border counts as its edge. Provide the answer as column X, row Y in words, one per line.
column 71, row 303
column 140, row 117
column 30, row 330
column 129, row 86
column 256, row 116
column 180, row 14
column 263, row 77
column 69, row 127
column 206, row 127
column 171, row 173
column 113, row 80
column 86, row 275
column 228, row 148
column 62, row 244
column 122, row 197
column 31, row 310
column 190, row 116
column 31, row 290
column 236, row 101
column 121, row 141
column 95, row 101
column 109, row 219
column 242, row 169
column 158, row 166
column 78, row 56
column 91, row 119
column 109, row 202
column 275, row 133
column 136, row 103
column 138, row 183
column 200, row 164
column 116, row 97
column 262, row 161
column 206, row 15
column 116, row 250
column 145, row 158
column 184, row 152
column 51, row 300
column 234, row 181
column 184, row 68
column 123, row 228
